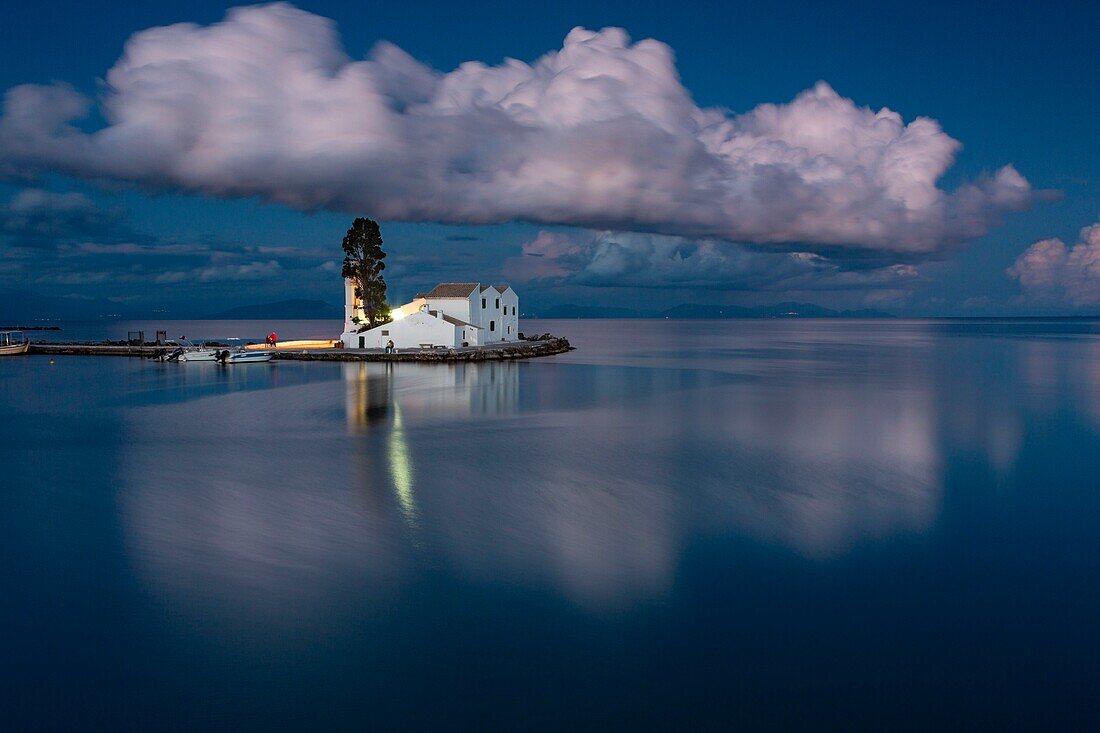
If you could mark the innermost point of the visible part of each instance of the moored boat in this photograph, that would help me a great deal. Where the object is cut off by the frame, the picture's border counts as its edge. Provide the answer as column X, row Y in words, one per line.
column 183, row 350
column 197, row 352
column 225, row 356
column 242, row 354
column 13, row 343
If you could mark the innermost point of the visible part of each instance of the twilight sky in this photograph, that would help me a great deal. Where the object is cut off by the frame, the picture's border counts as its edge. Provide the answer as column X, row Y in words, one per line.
column 190, row 156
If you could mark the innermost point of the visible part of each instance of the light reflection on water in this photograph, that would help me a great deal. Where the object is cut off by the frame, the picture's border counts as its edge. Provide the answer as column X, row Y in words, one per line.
column 596, row 494
column 662, row 469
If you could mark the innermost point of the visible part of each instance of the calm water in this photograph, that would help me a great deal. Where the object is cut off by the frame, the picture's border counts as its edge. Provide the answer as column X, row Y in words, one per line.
column 821, row 524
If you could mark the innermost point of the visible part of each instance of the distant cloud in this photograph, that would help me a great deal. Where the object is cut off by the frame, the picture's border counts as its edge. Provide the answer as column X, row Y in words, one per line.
column 52, row 239
column 223, row 273
column 611, row 259
column 599, row 134
column 40, row 219
column 1050, row 271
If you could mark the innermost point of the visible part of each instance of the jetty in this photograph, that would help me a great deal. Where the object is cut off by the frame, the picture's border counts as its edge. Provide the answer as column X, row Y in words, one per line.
column 546, row 345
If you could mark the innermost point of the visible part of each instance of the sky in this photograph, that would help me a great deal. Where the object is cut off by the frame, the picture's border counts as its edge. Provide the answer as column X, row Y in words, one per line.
column 922, row 159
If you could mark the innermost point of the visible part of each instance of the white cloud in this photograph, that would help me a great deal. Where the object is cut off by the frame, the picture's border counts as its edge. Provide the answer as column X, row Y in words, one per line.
column 1050, row 271
column 600, row 134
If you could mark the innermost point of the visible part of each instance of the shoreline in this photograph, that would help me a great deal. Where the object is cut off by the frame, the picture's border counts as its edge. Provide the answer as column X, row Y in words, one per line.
column 493, row 352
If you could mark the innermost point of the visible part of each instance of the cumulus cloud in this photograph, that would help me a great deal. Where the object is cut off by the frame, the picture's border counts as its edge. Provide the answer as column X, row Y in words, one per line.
column 610, row 259
column 600, row 133
column 1051, row 271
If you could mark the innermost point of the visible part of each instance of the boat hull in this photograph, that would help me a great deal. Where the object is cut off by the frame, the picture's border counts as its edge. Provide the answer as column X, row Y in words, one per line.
column 15, row 349
column 248, row 357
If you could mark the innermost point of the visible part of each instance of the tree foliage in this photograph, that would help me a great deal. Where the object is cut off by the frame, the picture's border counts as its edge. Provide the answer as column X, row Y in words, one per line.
column 363, row 265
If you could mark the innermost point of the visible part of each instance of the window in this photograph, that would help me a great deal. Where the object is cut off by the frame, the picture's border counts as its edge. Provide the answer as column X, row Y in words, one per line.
column 483, row 304
column 509, row 329
column 498, row 303
column 513, row 310
column 464, row 333
column 492, row 326
column 385, row 333
column 362, row 342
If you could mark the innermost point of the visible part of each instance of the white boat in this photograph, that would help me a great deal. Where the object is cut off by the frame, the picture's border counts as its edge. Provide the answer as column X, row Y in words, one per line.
column 241, row 356
column 184, row 350
column 197, row 352
column 13, row 343
column 204, row 354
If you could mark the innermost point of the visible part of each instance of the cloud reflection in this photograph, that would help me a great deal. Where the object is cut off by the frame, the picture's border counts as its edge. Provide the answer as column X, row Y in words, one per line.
column 594, row 482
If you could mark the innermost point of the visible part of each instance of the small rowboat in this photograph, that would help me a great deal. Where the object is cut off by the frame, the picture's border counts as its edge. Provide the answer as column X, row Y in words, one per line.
column 12, row 343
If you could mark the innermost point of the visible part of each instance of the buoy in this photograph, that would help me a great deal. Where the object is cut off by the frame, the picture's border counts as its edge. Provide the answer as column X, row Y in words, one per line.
column 51, row 361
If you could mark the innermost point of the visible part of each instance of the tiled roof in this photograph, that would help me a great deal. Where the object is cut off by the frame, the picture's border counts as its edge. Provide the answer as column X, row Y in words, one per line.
column 452, row 290
column 454, row 321
column 484, row 288
column 500, row 288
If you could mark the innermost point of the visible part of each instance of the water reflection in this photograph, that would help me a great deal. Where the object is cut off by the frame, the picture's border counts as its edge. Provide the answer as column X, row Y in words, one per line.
column 401, row 467
column 368, row 394
column 429, row 392
column 595, row 481
column 599, row 500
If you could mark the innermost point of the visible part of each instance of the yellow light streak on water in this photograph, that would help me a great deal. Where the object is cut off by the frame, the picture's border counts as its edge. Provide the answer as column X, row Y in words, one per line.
column 401, row 468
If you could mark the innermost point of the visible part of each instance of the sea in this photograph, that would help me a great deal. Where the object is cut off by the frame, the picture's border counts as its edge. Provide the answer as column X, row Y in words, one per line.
column 680, row 525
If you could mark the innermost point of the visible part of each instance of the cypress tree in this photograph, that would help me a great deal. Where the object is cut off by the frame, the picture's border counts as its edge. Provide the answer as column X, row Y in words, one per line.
column 363, row 265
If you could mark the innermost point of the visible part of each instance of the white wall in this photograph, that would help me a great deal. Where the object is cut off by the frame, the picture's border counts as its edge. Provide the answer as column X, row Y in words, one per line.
column 351, row 309
column 501, row 311
column 509, row 303
column 407, row 333
column 454, row 307
column 414, row 305
column 469, row 334
column 496, row 317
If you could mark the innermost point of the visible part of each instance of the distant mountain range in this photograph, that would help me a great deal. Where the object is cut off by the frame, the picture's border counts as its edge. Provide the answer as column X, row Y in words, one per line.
column 585, row 311
column 26, row 308
column 283, row 310
column 316, row 309
column 29, row 308
column 779, row 310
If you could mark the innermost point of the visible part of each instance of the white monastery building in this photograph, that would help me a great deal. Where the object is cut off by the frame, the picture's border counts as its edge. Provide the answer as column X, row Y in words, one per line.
column 450, row 314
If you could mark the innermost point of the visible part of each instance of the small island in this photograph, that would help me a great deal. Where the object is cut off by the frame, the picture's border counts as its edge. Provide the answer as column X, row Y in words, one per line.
column 454, row 321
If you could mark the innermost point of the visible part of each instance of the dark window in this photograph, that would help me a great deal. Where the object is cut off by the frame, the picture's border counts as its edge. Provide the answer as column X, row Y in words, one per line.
column 513, row 310
column 385, row 333
column 483, row 303
column 498, row 303
column 464, row 333
column 492, row 326
column 362, row 342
